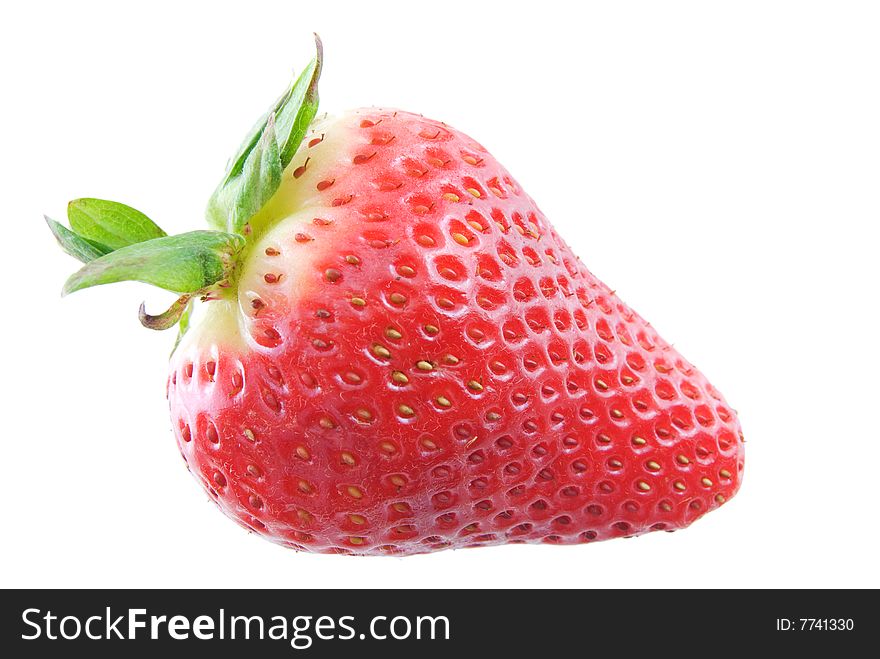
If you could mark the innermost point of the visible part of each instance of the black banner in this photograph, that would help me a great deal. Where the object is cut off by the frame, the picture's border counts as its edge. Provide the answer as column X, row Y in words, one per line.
column 399, row 622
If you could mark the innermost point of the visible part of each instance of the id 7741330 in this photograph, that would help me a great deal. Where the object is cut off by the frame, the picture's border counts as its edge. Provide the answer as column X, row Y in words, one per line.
column 815, row 624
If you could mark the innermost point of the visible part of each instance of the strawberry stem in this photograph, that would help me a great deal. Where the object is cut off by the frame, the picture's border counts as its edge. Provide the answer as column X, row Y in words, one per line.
column 167, row 318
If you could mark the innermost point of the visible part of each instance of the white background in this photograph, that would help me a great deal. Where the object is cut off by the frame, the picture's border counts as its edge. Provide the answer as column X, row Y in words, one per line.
column 716, row 163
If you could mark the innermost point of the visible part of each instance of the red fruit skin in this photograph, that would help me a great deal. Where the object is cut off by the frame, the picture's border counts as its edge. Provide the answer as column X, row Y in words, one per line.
column 551, row 412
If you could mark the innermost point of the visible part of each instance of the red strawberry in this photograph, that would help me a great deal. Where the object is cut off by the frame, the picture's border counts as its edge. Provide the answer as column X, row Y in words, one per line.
column 394, row 351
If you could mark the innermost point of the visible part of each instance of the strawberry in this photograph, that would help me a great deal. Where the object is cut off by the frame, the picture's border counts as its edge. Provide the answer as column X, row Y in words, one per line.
column 386, row 348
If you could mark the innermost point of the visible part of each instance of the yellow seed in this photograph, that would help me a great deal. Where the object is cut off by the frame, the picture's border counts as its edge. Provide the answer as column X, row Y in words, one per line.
column 682, row 460
column 450, row 359
column 406, row 271
column 653, row 466
column 388, row 447
column 354, row 492
column 443, row 401
column 302, row 452
column 470, row 160
column 639, row 441
column 356, row 540
column 429, row 444
column 601, row 384
column 326, row 422
column 405, row 410
column 626, row 379
column 474, row 192
column 643, row 486
column 451, row 196
column 249, row 434
column 400, row 507
column 399, row 377
column 496, row 192
column 348, row 458
column 397, row 298
column 665, row 506
column 304, row 515
column 357, row 519
column 476, row 225
column 724, row 473
column 720, row 498
column 364, row 414
column 492, row 416
column 461, row 239
column 392, row 333
column 353, row 260
column 475, row 386
column 424, row 365
column 431, row 329
column 603, row 438
column 705, row 481
column 358, row 301
column 304, row 487
column 678, row 485
column 381, row 351
column 397, row 481
column 617, row 414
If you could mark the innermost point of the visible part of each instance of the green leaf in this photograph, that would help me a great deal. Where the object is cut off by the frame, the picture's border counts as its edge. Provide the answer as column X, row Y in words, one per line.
column 259, row 179
column 292, row 114
column 110, row 223
column 236, row 163
column 186, row 263
column 293, row 117
column 243, row 196
column 78, row 247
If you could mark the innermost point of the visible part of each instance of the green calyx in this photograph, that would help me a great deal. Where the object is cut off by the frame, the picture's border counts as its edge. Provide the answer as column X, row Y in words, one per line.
column 186, row 263
column 254, row 172
column 118, row 243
